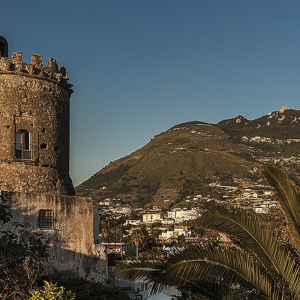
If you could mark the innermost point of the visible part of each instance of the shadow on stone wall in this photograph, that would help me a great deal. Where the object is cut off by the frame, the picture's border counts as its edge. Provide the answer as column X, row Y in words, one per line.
column 71, row 245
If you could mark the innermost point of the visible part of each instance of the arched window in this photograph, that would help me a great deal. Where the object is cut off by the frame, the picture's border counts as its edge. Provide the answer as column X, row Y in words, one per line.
column 23, row 144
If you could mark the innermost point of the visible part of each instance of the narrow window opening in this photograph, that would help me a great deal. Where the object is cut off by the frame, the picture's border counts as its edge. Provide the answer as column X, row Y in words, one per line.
column 23, row 144
column 46, row 219
column 43, row 146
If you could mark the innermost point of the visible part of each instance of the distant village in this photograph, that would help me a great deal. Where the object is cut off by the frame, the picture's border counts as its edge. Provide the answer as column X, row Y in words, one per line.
column 173, row 224
column 172, row 221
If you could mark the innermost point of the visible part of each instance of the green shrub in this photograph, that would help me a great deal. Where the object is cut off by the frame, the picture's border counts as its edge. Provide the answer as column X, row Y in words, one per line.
column 51, row 291
column 22, row 257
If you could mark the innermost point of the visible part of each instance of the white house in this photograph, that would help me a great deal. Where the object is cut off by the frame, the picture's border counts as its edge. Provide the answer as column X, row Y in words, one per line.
column 152, row 217
column 168, row 221
column 174, row 233
column 132, row 222
column 263, row 208
column 180, row 215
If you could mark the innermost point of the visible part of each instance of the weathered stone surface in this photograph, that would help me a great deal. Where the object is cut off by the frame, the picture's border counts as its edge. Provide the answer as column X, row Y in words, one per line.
column 34, row 165
column 35, row 98
column 71, row 240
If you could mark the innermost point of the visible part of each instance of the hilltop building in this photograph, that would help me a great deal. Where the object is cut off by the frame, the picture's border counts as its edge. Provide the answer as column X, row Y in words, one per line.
column 34, row 164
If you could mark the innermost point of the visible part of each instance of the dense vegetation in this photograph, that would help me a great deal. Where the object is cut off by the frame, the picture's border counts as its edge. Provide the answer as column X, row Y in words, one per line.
column 22, row 258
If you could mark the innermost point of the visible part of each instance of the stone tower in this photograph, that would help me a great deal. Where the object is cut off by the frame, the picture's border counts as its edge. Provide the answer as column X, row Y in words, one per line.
column 34, row 125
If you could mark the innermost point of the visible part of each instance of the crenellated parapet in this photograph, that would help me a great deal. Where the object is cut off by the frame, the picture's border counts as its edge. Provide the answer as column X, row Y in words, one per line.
column 34, row 125
column 36, row 69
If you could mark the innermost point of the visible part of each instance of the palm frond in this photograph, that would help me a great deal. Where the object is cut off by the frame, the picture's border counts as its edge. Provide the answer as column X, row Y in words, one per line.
column 230, row 265
column 139, row 270
column 248, row 228
column 155, row 276
column 201, row 267
column 287, row 195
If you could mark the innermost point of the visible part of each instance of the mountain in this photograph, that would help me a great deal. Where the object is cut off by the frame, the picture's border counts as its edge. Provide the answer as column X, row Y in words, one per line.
column 196, row 157
column 281, row 124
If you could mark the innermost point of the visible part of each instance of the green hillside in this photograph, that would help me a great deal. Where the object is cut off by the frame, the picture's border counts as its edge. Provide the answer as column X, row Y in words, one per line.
column 185, row 159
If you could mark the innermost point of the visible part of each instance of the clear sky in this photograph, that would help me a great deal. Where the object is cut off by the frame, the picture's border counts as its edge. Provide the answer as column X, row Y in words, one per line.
column 141, row 66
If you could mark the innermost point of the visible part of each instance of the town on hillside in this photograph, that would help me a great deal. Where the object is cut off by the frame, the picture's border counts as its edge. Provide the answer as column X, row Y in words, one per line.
column 154, row 230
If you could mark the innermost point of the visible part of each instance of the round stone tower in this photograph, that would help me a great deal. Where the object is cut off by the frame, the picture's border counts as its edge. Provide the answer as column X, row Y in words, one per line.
column 34, row 125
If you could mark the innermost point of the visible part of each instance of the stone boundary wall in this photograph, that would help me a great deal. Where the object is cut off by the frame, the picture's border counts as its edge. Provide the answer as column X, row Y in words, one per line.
column 71, row 240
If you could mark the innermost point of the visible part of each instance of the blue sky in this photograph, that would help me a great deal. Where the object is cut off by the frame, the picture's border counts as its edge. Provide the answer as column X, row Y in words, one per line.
column 141, row 66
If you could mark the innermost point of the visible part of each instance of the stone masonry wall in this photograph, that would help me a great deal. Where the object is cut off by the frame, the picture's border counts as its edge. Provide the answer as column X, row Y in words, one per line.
column 35, row 98
column 71, row 241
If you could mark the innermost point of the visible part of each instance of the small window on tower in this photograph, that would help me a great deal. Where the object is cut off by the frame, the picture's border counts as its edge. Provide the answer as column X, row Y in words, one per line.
column 23, row 144
column 46, row 219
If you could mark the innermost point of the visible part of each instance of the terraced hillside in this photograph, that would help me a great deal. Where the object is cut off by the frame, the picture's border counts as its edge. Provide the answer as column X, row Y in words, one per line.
column 188, row 158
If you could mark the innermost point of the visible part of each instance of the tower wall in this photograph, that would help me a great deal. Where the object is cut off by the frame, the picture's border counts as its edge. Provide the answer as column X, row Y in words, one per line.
column 34, row 126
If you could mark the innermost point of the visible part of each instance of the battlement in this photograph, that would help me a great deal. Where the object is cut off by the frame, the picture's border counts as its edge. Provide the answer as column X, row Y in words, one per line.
column 36, row 69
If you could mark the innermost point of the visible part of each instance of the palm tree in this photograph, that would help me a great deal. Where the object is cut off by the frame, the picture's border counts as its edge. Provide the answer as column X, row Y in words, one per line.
column 140, row 238
column 256, row 263
column 137, row 239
